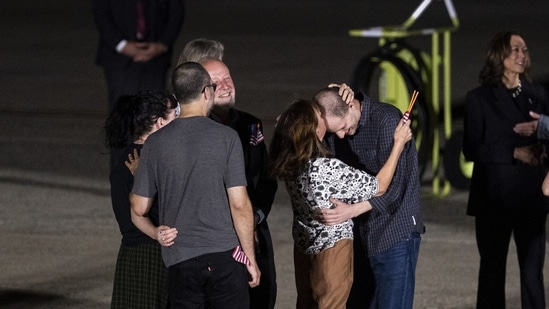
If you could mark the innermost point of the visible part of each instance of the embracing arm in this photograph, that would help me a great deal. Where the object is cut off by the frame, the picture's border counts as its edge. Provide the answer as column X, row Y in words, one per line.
column 402, row 135
column 140, row 207
column 343, row 211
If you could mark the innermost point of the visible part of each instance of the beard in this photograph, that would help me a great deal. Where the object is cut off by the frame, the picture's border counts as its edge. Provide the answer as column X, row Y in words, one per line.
column 223, row 105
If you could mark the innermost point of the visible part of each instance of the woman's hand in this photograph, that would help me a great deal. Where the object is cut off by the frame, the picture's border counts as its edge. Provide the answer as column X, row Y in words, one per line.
column 133, row 161
column 532, row 155
column 166, row 235
column 403, row 133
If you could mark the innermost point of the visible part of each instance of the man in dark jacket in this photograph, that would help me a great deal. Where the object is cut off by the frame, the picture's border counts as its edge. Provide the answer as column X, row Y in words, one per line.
column 135, row 43
column 261, row 189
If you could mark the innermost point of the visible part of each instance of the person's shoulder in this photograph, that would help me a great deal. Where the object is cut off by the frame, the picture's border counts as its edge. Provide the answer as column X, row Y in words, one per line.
column 219, row 128
column 246, row 117
column 328, row 162
column 376, row 105
column 382, row 110
column 479, row 88
column 483, row 90
column 539, row 87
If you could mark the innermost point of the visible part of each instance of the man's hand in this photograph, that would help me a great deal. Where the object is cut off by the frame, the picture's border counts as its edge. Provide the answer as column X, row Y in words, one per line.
column 528, row 128
column 342, row 212
column 345, row 92
column 255, row 274
column 132, row 48
column 150, row 51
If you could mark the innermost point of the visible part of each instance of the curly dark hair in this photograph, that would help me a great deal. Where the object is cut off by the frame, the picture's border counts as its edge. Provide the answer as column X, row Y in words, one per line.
column 135, row 115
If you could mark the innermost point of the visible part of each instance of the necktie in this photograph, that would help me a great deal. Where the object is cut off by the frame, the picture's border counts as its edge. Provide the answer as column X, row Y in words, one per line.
column 140, row 7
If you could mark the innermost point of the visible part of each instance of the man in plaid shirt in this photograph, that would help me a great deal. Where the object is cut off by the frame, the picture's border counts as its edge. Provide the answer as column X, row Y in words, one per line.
column 388, row 228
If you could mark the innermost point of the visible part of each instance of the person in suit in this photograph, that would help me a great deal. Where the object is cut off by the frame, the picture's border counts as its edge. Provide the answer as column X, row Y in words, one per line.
column 261, row 188
column 505, row 196
column 135, row 43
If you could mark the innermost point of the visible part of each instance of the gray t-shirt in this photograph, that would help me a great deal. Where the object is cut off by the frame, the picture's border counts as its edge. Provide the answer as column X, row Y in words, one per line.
column 189, row 164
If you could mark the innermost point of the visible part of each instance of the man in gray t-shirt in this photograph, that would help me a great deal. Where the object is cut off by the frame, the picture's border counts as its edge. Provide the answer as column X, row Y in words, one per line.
column 196, row 167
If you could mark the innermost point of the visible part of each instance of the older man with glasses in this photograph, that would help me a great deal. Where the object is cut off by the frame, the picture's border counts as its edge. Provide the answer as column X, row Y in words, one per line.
column 261, row 188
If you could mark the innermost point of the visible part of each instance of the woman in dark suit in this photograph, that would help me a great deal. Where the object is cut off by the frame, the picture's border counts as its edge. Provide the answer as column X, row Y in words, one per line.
column 505, row 195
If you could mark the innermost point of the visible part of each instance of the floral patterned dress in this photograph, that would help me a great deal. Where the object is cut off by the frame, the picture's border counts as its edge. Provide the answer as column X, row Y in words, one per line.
column 325, row 178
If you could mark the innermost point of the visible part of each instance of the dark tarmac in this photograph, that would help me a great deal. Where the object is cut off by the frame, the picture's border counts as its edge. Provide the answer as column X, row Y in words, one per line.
column 59, row 239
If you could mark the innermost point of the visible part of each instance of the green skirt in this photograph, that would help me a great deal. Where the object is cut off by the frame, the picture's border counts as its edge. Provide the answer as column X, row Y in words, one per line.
column 140, row 278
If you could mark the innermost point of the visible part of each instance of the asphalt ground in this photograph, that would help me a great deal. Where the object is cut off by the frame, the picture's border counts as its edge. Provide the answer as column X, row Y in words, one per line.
column 58, row 236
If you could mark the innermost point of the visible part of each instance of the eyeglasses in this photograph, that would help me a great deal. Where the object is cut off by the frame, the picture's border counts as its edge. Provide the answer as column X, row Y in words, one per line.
column 214, row 87
column 177, row 110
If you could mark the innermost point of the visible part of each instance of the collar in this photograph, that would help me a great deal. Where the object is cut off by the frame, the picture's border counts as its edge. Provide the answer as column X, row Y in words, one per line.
column 233, row 116
column 364, row 108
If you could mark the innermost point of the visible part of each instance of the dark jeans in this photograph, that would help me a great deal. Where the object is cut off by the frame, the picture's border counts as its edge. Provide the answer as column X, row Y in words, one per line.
column 212, row 280
column 394, row 273
column 385, row 281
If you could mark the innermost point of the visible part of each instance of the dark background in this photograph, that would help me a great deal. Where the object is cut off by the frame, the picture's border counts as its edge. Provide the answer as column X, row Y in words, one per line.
column 276, row 50
column 58, row 237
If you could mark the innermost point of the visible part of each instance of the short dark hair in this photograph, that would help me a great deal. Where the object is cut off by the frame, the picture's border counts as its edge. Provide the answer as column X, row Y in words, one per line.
column 188, row 81
column 331, row 102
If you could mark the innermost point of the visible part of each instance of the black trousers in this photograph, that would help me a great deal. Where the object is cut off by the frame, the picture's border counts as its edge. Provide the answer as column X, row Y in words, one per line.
column 213, row 281
column 134, row 77
column 493, row 235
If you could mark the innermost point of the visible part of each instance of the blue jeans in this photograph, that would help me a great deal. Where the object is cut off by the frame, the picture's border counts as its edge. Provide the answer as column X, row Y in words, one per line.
column 395, row 272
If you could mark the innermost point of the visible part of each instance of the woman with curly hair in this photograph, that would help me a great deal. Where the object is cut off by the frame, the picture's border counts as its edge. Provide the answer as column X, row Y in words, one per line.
column 140, row 275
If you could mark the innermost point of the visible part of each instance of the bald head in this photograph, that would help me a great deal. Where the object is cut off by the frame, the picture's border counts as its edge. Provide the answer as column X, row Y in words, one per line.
column 331, row 102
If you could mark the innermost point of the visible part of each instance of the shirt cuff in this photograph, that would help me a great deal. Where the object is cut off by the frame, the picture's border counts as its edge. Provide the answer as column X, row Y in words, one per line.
column 543, row 127
column 261, row 215
column 121, row 46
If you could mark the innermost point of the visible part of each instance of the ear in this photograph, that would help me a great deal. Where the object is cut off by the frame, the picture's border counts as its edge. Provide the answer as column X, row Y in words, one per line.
column 353, row 104
column 160, row 122
column 207, row 94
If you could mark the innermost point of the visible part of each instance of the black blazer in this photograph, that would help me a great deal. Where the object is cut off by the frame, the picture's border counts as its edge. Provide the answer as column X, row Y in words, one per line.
column 261, row 188
column 500, row 182
column 116, row 21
